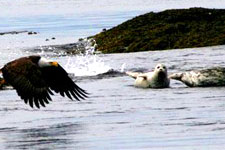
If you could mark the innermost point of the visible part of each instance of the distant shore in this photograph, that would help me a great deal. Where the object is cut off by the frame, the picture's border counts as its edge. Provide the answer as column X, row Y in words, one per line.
column 18, row 32
column 170, row 29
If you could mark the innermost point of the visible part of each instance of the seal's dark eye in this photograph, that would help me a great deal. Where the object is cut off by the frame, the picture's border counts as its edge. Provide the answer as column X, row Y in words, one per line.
column 158, row 67
column 164, row 67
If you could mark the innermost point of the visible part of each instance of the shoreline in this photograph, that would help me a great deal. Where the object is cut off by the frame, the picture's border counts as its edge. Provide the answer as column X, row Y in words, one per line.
column 17, row 32
column 170, row 29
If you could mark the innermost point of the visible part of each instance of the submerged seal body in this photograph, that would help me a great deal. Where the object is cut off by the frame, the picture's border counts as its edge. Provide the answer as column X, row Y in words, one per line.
column 202, row 78
column 156, row 79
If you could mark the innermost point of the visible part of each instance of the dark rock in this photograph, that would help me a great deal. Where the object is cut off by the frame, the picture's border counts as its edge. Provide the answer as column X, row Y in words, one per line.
column 80, row 39
column 170, row 29
column 66, row 49
column 31, row 32
column 12, row 32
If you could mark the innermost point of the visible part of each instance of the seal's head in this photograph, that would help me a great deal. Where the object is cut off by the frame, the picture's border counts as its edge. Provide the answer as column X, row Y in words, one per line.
column 160, row 69
column 176, row 76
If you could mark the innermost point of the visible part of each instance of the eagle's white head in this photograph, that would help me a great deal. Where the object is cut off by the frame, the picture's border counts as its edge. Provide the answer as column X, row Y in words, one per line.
column 43, row 62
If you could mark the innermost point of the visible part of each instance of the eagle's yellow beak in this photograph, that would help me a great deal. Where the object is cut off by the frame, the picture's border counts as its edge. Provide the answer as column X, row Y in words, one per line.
column 54, row 63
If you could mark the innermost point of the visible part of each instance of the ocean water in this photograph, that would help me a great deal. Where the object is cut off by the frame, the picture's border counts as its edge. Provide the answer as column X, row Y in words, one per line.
column 116, row 115
column 69, row 20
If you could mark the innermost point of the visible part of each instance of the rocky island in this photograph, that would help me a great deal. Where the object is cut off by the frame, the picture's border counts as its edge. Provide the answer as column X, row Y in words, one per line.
column 170, row 29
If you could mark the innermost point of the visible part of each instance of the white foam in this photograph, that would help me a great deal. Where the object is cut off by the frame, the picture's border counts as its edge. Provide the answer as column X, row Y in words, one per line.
column 86, row 65
column 123, row 67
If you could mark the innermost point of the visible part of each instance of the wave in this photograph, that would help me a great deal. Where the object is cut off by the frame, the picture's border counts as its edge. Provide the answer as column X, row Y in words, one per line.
column 88, row 66
column 109, row 74
column 80, row 59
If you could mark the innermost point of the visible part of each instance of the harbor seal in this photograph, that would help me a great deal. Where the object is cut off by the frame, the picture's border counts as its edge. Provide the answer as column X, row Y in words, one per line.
column 156, row 79
column 201, row 78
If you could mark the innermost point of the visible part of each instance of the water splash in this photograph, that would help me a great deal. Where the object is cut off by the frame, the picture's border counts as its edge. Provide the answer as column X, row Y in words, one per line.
column 86, row 61
column 122, row 69
column 86, row 65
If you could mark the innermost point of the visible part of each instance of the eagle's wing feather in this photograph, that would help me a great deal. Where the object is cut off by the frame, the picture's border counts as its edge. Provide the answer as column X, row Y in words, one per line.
column 59, row 81
column 27, row 79
column 34, row 84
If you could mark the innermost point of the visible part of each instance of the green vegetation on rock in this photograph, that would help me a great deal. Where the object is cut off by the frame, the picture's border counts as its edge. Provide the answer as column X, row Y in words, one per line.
column 170, row 29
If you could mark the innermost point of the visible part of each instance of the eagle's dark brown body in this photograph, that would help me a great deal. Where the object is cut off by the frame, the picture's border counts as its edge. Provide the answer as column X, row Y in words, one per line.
column 35, row 79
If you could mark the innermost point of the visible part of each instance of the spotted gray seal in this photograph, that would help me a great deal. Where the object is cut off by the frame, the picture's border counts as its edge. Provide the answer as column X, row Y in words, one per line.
column 201, row 78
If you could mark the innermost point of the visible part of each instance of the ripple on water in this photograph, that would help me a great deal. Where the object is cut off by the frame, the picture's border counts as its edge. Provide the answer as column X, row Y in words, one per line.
column 119, row 116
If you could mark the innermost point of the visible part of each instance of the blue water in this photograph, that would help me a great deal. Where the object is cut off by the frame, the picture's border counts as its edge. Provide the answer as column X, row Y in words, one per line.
column 68, row 20
column 117, row 115
column 78, row 26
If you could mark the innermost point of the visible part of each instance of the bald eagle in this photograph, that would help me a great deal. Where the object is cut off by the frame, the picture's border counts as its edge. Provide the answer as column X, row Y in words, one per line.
column 35, row 77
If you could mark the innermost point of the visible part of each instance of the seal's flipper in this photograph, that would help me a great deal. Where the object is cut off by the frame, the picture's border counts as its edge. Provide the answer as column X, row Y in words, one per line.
column 143, row 76
column 133, row 74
